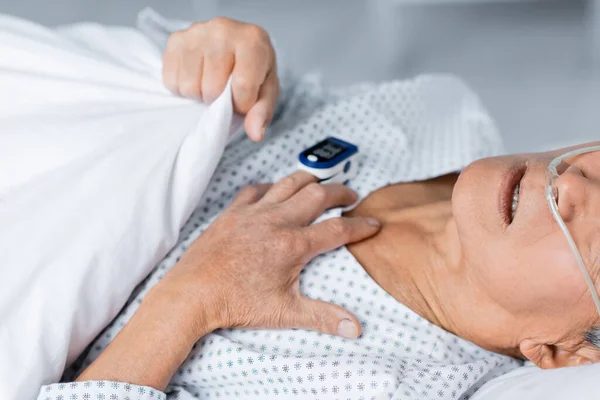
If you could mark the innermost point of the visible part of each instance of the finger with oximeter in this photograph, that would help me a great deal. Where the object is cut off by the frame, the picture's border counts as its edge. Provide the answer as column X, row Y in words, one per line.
column 332, row 160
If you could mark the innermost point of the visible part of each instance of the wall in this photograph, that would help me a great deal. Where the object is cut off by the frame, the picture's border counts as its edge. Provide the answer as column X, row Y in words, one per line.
column 530, row 62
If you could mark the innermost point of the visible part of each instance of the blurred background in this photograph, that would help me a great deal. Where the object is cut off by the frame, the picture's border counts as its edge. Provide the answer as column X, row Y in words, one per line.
column 535, row 63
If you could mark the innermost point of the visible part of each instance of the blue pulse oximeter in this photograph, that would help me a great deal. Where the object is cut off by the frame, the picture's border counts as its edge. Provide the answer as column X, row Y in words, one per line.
column 331, row 160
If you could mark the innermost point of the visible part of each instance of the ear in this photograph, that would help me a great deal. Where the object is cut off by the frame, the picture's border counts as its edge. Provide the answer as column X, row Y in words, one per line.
column 548, row 356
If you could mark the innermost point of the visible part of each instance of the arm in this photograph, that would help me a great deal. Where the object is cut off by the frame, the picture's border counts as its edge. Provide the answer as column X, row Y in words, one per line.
column 149, row 350
column 255, row 286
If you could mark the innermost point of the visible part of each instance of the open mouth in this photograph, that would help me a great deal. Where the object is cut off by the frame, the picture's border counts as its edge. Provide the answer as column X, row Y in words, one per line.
column 511, row 193
column 515, row 201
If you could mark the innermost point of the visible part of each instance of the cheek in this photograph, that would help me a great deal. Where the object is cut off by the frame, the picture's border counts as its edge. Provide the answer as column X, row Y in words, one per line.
column 554, row 264
column 537, row 278
column 555, row 295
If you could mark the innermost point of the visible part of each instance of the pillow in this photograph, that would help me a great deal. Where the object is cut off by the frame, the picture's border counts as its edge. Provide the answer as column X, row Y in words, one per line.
column 100, row 167
column 531, row 383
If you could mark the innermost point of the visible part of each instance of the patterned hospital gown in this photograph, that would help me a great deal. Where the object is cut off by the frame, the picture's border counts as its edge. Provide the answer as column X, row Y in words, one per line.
column 406, row 131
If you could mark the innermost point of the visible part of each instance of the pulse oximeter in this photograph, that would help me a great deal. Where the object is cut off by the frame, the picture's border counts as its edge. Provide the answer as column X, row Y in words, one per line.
column 331, row 160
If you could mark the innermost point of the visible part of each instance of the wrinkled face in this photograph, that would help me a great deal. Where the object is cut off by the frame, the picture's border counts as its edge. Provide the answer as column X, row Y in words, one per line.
column 524, row 264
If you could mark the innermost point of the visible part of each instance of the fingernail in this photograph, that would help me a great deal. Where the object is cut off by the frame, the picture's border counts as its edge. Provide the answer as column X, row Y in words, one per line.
column 373, row 222
column 347, row 329
column 208, row 99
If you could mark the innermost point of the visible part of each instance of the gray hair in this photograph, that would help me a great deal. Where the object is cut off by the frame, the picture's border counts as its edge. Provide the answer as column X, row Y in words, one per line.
column 593, row 336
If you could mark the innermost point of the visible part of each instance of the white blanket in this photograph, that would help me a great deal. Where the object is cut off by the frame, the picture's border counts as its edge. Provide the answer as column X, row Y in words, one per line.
column 100, row 167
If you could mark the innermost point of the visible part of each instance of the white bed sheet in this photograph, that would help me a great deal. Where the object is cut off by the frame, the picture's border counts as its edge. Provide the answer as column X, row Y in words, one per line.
column 532, row 383
column 78, row 106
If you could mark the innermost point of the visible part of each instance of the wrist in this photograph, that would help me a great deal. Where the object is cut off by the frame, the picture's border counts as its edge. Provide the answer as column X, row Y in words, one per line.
column 195, row 309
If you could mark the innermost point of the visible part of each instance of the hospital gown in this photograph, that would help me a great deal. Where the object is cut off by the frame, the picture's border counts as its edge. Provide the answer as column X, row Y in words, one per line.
column 406, row 131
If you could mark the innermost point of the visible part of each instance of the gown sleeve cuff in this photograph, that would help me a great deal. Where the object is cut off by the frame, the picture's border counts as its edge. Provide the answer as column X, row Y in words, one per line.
column 94, row 390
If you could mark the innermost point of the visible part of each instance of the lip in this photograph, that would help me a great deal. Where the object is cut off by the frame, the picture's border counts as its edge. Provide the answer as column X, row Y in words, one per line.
column 509, row 181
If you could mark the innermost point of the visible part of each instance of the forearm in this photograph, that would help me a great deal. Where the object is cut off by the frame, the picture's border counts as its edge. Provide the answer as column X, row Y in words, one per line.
column 252, row 255
column 150, row 348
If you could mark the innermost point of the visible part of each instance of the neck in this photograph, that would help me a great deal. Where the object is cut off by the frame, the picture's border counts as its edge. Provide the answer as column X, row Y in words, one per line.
column 442, row 293
column 412, row 256
column 429, row 287
column 417, row 251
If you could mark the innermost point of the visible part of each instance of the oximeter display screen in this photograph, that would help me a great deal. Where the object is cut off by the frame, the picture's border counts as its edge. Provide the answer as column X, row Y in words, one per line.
column 324, row 151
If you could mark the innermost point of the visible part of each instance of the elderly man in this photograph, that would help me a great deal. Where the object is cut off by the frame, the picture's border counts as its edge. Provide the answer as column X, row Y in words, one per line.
column 435, row 282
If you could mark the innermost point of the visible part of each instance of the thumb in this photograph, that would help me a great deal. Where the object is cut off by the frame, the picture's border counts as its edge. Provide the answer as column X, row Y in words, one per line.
column 317, row 315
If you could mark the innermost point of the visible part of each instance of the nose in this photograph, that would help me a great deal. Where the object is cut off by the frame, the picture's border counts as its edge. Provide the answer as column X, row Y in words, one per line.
column 572, row 188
